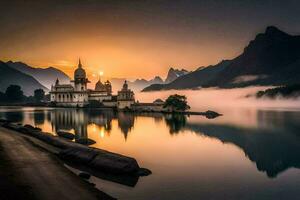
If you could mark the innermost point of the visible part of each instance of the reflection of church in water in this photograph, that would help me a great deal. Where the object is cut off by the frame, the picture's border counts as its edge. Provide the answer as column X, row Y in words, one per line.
column 79, row 120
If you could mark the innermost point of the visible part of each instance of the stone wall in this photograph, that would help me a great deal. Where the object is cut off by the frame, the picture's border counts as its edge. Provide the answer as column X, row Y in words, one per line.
column 147, row 107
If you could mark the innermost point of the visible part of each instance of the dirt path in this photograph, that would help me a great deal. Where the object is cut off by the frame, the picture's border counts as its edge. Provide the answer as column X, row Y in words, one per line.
column 29, row 172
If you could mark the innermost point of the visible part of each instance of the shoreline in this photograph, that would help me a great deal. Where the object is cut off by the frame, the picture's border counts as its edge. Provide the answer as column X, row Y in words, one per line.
column 80, row 153
column 88, row 160
column 208, row 114
column 32, row 172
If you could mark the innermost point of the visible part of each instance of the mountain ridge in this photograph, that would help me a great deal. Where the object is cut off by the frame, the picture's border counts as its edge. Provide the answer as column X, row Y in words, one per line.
column 271, row 58
column 16, row 77
column 173, row 74
column 46, row 76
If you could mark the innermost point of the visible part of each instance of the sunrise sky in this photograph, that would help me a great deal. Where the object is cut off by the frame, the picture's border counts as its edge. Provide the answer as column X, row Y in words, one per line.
column 136, row 38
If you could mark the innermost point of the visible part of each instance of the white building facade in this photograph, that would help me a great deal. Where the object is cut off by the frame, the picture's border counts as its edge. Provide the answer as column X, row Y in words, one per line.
column 78, row 95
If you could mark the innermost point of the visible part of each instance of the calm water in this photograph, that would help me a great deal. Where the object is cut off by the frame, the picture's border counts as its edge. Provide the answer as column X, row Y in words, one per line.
column 249, row 153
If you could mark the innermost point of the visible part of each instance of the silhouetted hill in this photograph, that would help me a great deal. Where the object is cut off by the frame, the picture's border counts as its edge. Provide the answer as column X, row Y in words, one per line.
column 272, row 58
column 290, row 91
column 11, row 76
column 45, row 76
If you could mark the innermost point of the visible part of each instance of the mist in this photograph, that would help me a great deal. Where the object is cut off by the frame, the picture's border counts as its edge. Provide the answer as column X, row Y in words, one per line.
column 213, row 98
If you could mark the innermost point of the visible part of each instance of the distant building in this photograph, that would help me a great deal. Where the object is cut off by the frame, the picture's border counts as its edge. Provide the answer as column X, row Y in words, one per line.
column 156, row 106
column 77, row 94
column 125, row 97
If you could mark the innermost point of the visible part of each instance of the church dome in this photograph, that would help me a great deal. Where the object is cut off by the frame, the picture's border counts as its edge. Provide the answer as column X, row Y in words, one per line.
column 79, row 72
column 158, row 101
column 99, row 86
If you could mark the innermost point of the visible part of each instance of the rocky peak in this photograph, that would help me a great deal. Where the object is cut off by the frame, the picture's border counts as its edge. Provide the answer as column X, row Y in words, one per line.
column 271, row 36
column 274, row 31
column 157, row 79
column 174, row 74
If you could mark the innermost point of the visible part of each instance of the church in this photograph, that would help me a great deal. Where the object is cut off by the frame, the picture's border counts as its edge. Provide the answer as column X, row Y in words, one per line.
column 78, row 95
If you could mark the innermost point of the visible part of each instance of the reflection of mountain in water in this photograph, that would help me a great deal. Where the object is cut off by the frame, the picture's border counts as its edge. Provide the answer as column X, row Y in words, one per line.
column 273, row 150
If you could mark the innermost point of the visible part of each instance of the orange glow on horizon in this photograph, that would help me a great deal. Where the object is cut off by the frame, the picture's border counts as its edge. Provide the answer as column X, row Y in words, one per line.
column 122, row 57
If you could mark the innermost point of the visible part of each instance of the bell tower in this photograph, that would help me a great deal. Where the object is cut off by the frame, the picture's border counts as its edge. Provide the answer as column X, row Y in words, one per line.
column 80, row 80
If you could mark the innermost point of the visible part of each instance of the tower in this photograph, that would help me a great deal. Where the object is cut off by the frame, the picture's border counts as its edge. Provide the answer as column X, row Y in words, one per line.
column 99, row 86
column 108, row 87
column 125, row 86
column 80, row 80
column 125, row 94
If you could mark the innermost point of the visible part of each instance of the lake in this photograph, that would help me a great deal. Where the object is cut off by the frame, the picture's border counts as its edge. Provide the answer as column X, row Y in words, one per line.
column 251, row 152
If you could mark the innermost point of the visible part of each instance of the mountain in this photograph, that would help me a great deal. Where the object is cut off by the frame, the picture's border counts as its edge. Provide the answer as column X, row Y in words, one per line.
column 136, row 85
column 272, row 58
column 156, row 80
column 139, row 84
column 173, row 74
column 11, row 76
column 192, row 79
column 45, row 76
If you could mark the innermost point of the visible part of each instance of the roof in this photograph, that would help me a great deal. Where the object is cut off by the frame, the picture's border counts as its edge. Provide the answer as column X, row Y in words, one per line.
column 145, row 104
column 158, row 101
column 64, row 85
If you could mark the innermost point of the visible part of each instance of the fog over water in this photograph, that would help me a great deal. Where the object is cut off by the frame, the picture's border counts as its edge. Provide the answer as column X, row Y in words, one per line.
column 213, row 98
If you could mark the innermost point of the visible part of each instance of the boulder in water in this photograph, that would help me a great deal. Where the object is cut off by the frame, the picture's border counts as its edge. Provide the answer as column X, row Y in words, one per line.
column 100, row 160
column 66, row 135
column 114, row 163
column 85, row 141
column 79, row 155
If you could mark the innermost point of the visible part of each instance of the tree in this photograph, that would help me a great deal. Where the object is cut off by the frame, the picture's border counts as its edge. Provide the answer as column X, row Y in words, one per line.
column 39, row 95
column 2, row 97
column 14, row 93
column 176, row 103
column 47, row 97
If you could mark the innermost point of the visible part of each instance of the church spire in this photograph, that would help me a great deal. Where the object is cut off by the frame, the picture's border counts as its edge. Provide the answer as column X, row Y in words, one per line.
column 79, row 64
column 99, row 80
